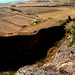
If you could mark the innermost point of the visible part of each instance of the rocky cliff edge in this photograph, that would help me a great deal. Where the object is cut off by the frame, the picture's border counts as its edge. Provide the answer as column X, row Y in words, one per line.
column 63, row 63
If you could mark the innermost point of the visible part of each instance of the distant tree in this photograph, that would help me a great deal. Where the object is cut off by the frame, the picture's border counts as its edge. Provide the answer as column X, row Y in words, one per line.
column 13, row 5
column 69, row 18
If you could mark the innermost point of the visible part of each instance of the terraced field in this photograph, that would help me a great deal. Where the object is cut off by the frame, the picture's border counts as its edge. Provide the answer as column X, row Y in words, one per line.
column 59, row 15
column 8, row 27
column 19, row 20
column 4, row 13
column 35, row 4
column 36, row 10
column 34, row 29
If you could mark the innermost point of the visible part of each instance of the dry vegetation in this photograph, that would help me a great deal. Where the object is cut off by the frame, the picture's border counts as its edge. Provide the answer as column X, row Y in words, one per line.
column 59, row 15
column 19, row 20
column 20, row 17
column 36, row 10
column 8, row 27
column 43, row 25
column 12, row 21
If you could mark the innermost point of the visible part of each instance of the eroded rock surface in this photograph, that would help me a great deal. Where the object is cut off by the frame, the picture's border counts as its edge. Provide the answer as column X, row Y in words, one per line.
column 64, row 60
column 63, row 63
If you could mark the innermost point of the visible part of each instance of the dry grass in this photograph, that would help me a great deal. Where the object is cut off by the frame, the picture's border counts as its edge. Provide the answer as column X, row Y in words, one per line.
column 19, row 20
column 7, row 27
column 43, row 25
column 59, row 15
column 13, row 21
column 36, row 10
column 35, row 4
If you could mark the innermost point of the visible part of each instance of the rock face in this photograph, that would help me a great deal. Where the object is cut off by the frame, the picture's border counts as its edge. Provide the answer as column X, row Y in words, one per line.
column 63, row 63
column 34, row 70
column 64, row 60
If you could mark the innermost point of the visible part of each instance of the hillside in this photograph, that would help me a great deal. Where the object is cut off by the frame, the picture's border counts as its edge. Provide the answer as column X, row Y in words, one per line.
column 63, row 63
column 51, row 0
column 35, row 33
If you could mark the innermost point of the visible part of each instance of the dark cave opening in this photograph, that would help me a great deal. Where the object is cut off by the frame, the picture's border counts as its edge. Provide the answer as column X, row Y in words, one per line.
column 18, row 51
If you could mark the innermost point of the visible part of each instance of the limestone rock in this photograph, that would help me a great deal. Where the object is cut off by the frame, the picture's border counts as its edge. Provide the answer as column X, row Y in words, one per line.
column 64, row 60
column 30, row 70
column 63, row 63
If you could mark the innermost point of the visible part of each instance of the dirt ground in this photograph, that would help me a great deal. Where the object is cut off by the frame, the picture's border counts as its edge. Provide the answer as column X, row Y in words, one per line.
column 59, row 15
column 12, row 19
column 8, row 27
column 40, row 26
column 19, row 20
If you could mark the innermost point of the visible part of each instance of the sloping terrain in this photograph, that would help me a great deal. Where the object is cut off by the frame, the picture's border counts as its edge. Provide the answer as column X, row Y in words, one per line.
column 63, row 63
column 3, row 13
column 59, row 15
column 21, row 50
column 19, row 20
column 34, row 29
column 23, row 43
column 22, row 15
column 8, row 27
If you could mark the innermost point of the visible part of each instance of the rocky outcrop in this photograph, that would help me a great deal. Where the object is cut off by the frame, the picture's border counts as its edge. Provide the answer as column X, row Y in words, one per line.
column 64, row 60
column 34, row 70
column 63, row 63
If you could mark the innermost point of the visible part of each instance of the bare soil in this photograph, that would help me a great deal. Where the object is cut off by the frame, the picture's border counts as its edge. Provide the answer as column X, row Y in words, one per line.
column 17, row 19
column 8, row 27
column 59, row 15
column 13, row 21
column 40, row 26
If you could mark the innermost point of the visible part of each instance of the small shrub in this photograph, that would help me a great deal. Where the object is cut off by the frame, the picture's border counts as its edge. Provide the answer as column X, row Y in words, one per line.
column 41, row 60
column 71, row 43
column 62, row 21
column 73, row 39
column 68, row 30
column 36, row 22
column 73, row 26
column 13, row 5
column 56, row 43
column 50, row 18
column 73, row 19
column 11, row 73
column 51, row 51
column 73, row 35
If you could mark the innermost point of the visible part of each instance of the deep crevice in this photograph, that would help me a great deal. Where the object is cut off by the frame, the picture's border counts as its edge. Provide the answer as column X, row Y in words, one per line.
column 18, row 51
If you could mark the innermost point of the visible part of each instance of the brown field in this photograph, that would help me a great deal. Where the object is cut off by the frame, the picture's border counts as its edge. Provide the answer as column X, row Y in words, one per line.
column 7, row 27
column 37, row 10
column 43, row 25
column 4, row 13
column 36, row 4
column 12, row 19
column 59, row 15
column 19, row 20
